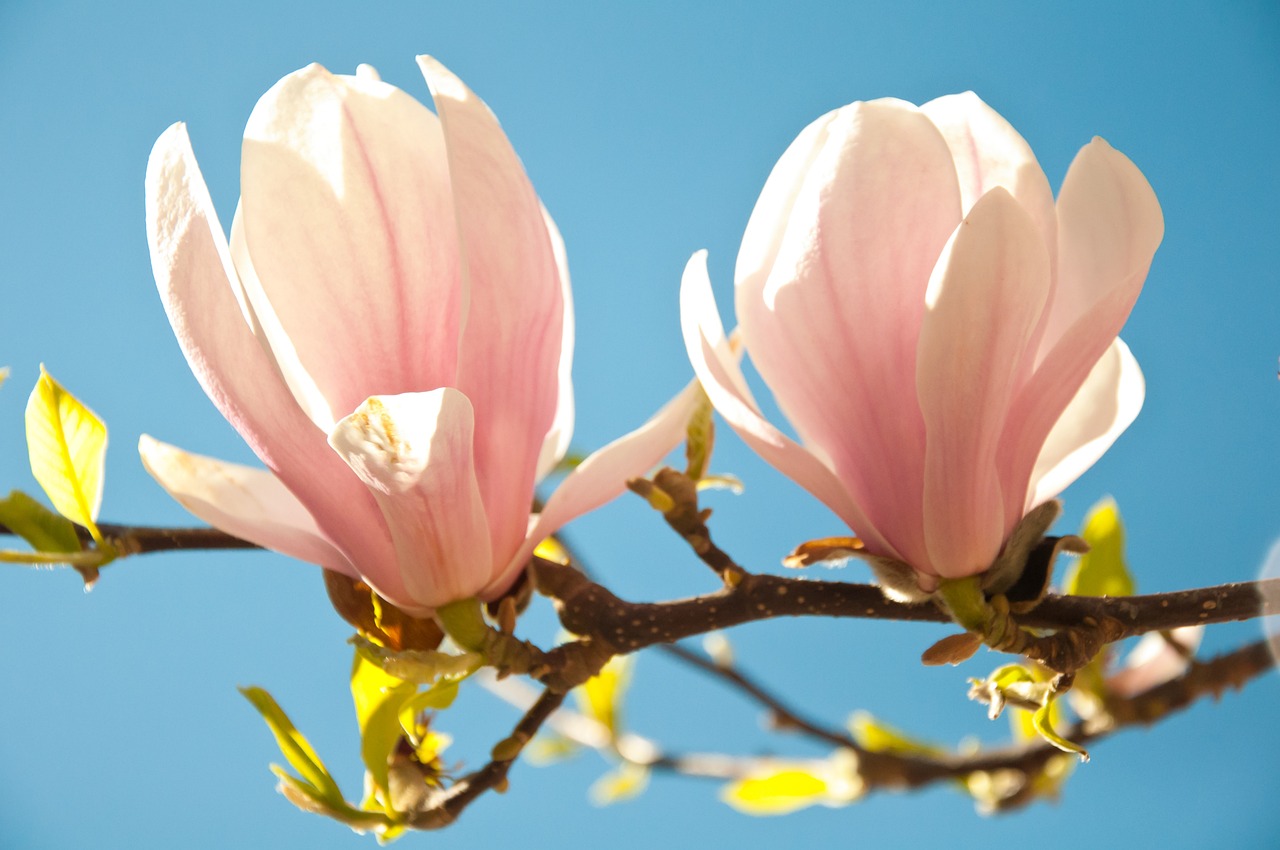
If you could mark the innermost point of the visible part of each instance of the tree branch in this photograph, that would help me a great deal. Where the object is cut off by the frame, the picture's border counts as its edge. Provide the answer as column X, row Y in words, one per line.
column 587, row 608
column 450, row 804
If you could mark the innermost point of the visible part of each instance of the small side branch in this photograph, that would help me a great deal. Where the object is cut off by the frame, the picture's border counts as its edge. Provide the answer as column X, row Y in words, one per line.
column 449, row 805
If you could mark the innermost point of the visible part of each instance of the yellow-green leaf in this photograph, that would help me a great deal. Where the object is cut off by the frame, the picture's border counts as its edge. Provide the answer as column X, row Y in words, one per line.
column 601, row 696
column 879, row 737
column 551, row 549
column 378, row 698
column 625, row 782
column 436, row 698
column 67, row 444
column 296, row 749
column 1042, row 722
column 776, row 793
column 700, row 438
column 1102, row 571
column 549, row 748
column 36, row 524
column 420, row 666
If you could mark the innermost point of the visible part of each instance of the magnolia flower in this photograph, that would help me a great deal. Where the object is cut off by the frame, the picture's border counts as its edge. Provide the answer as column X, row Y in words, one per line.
column 389, row 329
column 941, row 335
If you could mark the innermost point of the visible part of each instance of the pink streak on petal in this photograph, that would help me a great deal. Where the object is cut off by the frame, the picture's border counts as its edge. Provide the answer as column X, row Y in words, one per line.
column 414, row 453
column 251, row 504
column 510, row 355
column 832, row 320
column 348, row 218
column 718, row 371
column 984, row 302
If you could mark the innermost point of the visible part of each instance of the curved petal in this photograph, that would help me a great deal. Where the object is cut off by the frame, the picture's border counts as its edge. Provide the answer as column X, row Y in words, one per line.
column 1109, row 225
column 983, row 304
column 557, row 440
column 270, row 333
column 251, row 504
column 348, row 218
column 1107, row 404
column 605, row 473
column 721, row 377
column 832, row 319
column 413, row 452
column 988, row 152
column 216, row 327
column 510, row 352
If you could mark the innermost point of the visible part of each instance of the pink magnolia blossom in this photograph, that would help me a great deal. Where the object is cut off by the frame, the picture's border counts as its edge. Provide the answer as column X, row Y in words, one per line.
column 389, row 329
column 940, row 333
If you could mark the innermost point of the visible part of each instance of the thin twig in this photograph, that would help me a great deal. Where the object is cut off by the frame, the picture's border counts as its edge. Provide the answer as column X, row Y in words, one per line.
column 783, row 716
column 450, row 805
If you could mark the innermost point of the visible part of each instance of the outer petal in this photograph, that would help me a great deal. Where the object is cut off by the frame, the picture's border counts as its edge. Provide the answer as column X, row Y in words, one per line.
column 1105, row 406
column 984, row 302
column 604, row 474
column 1109, row 227
column 718, row 371
column 510, row 356
column 557, row 440
column 348, row 218
column 251, row 504
column 215, row 327
column 831, row 315
column 988, row 152
column 413, row 451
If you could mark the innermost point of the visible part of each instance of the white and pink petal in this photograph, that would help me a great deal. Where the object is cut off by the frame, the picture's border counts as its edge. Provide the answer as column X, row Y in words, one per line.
column 983, row 305
column 509, row 358
column 414, row 453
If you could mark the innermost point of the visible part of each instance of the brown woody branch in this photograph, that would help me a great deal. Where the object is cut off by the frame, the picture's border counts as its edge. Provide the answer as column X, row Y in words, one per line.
column 898, row 771
column 587, row 608
column 447, row 806
column 590, row 609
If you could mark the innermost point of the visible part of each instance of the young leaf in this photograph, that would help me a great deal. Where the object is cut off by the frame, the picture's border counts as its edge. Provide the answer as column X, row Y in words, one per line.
column 1102, row 571
column 601, row 696
column 67, row 444
column 378, row 698
column 879, row 737
column 778, row 792
column 700, row 438
column 1042, row 722
column 296, row 749
column 36, row 524
column 419, row 666
column 625, row 782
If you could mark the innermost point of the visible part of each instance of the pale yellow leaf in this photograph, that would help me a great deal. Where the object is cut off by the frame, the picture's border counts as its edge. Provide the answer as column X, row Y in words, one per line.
column 67, row 444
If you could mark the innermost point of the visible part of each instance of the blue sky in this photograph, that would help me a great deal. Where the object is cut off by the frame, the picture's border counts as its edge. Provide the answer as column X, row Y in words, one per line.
column 648, row 130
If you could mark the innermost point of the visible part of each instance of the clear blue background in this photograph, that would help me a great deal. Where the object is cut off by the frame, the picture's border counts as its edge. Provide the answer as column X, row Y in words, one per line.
column 648, row 129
